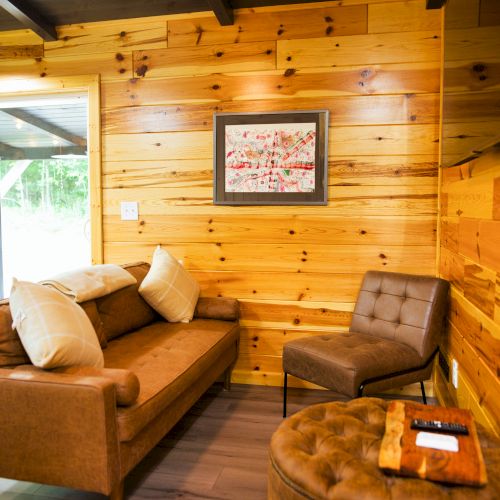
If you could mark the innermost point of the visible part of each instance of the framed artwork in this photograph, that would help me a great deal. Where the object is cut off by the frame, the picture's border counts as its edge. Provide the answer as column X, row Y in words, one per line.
column 271, row 158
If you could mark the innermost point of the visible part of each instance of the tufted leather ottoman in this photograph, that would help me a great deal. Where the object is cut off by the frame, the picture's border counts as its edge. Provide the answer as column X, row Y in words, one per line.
column 330, row 450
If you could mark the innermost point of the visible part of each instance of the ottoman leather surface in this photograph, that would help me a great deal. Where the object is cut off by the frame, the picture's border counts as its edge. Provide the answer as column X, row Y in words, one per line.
column 330, row 451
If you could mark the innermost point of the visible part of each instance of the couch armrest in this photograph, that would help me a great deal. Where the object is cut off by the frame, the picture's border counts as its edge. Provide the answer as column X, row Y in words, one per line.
column 59, row 429
column 126, row 383
column 217, row 308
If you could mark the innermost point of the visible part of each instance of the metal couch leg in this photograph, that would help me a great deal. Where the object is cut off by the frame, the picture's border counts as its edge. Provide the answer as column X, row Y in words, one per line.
column 424, row 399
column 284, row 394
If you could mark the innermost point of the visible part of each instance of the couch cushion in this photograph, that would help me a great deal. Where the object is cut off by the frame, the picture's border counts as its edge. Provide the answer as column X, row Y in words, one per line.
column 169, row 288
column 54, row 330
column 167, row 358
column 125, row 310
column 342, row 361
column 12, row 352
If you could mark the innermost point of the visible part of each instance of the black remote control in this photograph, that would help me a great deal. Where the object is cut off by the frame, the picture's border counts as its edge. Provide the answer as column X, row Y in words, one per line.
column 438, row 426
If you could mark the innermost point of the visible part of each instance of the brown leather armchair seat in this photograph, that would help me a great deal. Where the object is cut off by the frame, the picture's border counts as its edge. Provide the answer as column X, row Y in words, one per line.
column 391, row 342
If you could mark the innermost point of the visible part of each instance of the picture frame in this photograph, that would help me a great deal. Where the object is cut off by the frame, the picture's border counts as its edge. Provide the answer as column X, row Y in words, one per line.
column 277, row 158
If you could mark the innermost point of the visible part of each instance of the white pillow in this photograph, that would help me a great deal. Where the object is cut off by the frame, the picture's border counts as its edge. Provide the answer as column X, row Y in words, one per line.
column 54, row 330
column 169, row 289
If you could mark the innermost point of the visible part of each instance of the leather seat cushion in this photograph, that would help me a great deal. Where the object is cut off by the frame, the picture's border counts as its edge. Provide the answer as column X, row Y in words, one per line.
column 167, row 359
column 342, row 361
column 330, row 451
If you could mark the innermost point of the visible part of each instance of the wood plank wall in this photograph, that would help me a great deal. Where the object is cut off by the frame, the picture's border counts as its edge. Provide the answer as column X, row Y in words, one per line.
column 373, row 64
column 470, row 212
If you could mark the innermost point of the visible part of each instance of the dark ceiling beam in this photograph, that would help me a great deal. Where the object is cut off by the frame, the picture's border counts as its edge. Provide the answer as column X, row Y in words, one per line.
column 435, row 4
column 10, row 153
column 30, row 18
column 46, row 126
column 223, row 11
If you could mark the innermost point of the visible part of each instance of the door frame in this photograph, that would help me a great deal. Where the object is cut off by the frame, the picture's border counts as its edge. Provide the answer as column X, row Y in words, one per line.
column 90, row 84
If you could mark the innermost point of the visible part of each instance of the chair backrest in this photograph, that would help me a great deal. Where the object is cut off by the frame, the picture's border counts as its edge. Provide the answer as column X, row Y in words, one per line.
column 402, row 307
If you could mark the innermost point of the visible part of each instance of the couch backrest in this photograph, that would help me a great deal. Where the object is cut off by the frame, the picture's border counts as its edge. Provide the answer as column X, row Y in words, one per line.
column 12, row 352
column 125, row 310
column 405, row 308
column 111, row 315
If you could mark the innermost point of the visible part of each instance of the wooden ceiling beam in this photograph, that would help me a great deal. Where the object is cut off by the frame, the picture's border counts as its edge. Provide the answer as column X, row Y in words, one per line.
column 435, row 4
column 41, row 124
column 223, row 11
column 30, row 18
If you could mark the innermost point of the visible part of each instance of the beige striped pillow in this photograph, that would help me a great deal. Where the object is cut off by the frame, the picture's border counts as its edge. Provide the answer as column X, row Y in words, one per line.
column 169, row 289
column 54, row 330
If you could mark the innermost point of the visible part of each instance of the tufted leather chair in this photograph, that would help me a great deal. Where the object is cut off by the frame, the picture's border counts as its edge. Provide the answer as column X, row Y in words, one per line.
column 392, row 340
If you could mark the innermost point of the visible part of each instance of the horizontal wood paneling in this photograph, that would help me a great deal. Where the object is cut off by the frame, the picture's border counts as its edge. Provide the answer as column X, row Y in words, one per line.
column 470, row 260
column 295, row 269
column 303, row 229
column 355, row 110
column 117, row 38
column 255, row 27
column 293, row 257
column 316, row 82
column 205, row 60
column 422, row 46
column 403, row 16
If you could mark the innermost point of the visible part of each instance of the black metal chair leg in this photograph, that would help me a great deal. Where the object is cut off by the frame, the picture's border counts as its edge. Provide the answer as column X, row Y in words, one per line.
column 284, row 395
column 424, row 399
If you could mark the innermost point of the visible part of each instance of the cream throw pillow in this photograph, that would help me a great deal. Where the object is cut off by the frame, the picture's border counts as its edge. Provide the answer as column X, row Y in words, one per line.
column 54, row 330
column 169, row 289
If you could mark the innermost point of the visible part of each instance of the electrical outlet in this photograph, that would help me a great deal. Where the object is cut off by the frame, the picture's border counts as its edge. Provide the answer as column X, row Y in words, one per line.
column 454, row 373
column 129, row 210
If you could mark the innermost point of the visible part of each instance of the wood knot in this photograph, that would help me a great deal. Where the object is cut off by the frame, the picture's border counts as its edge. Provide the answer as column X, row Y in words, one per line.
column 329, row 30
column 304, row 252
column 210, row 221
column 291, row 231
column 123, row 33
column 215, row 87
column 280, row 32
column 382, row 256
column 289, row 58
column 222, row 259
column 122, row 70
column 478, row 68
column 296, row 321
column 328, row 19
column 142, row 222
column 218, row 244
column 254, row 291
column 119, row 57
column 144, row 58
column 141, row 70
column 269, row 52
column 289, row 72
column 219, row 54
column 43, row 74
column 482, row 78
column 362, row 231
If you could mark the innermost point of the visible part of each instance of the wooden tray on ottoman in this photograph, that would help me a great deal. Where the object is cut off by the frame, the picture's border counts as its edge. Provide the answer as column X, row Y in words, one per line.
column 400, row 454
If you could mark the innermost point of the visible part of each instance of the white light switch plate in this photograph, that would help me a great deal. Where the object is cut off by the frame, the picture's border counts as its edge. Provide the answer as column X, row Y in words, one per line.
column 129, row 210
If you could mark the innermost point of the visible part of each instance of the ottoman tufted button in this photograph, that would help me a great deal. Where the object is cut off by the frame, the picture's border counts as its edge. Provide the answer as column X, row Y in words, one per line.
column 330, row 451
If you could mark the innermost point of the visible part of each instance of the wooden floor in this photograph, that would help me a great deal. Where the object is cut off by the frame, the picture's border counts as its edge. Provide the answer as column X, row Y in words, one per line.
column 217, row 451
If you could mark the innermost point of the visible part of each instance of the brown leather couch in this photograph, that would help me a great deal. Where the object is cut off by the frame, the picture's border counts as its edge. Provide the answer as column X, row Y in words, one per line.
column 86, row 428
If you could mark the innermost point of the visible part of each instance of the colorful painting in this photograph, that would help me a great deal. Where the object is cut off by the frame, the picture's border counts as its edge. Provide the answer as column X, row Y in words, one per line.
column 263, row 158
column 277, row 158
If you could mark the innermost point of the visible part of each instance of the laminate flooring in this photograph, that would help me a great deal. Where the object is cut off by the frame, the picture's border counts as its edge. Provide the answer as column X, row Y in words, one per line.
column 218, row 450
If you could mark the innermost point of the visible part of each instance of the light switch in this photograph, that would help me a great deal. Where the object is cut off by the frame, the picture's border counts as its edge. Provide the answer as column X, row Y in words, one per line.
column 129, row 210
